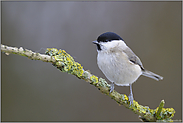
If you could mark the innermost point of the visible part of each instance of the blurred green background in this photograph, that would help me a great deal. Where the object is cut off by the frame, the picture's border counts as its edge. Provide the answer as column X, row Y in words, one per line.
column 37, row 91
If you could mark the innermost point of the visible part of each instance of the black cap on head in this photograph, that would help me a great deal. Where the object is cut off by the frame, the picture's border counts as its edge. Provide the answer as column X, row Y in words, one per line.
column 108, row 36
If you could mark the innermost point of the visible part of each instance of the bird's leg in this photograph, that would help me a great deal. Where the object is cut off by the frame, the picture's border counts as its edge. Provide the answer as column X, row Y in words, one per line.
column 130, row 97
column 112, row 87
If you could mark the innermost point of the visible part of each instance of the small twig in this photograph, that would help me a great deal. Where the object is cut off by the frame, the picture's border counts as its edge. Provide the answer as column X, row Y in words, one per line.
column 161, row 105
column 28, row 53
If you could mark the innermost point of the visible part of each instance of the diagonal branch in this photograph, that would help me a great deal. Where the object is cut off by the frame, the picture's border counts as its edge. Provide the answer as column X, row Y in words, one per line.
column 64, row 62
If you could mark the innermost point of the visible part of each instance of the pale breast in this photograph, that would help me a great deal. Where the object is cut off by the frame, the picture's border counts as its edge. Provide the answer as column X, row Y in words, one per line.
column 118, row 69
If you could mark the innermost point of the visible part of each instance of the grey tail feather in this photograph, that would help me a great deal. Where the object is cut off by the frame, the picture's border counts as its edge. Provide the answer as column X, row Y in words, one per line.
column 152, row 75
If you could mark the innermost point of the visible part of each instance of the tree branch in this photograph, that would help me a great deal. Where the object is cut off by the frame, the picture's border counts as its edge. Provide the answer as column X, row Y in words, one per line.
column 64, row 62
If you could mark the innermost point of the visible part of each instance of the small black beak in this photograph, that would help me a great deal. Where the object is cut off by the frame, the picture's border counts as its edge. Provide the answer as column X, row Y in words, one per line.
column 95, row 42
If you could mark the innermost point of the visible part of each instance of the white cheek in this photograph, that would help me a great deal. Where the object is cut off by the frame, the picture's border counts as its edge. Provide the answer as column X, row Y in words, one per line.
column 106, row 46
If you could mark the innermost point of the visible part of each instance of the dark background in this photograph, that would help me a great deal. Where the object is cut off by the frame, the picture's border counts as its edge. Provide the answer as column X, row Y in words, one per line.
column 37, row 91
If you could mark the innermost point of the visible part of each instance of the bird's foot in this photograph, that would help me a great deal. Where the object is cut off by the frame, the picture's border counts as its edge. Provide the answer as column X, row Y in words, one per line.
column 111, row 88
column 130, row 98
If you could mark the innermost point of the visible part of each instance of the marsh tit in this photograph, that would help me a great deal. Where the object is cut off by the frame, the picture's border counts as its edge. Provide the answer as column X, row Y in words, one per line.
column 119, row 63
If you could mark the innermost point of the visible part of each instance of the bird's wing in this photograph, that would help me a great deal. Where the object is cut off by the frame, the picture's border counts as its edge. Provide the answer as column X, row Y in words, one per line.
column 133, row 58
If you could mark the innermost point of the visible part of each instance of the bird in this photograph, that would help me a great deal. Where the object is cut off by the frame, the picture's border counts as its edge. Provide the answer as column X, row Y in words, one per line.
column 119, row 63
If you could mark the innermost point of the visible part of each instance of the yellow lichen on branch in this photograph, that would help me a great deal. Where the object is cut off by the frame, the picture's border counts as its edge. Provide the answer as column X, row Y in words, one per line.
column 65, row 62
